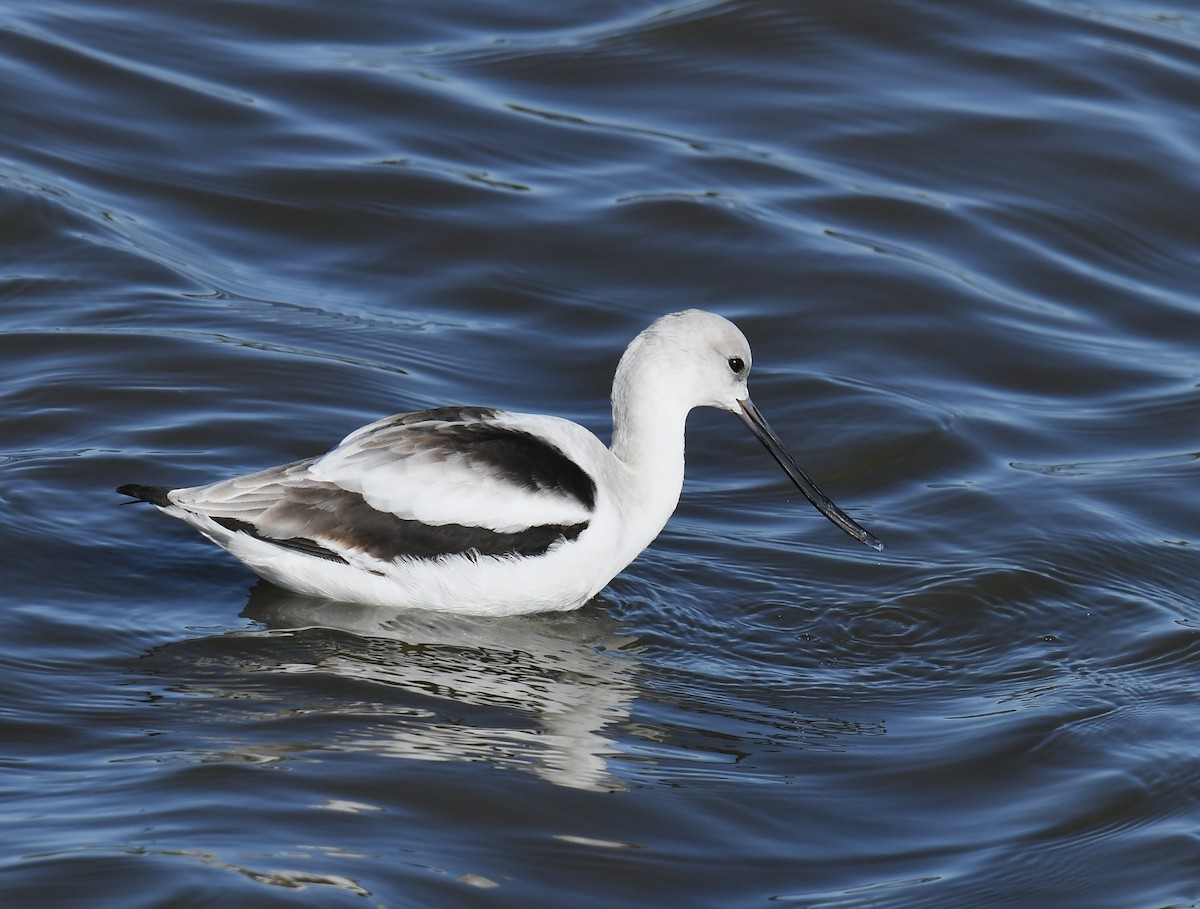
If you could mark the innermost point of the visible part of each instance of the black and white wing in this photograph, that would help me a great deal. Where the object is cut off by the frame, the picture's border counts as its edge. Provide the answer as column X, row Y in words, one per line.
column 418, row 486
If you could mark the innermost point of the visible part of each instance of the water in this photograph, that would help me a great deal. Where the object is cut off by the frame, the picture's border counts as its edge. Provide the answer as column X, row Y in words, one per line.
column 962, row 239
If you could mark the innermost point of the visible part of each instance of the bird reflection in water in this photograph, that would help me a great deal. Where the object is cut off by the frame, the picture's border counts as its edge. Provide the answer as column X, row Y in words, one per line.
column 535, row 693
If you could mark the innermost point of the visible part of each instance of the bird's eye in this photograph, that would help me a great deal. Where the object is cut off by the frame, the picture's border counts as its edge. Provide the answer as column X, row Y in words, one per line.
column 738, row 365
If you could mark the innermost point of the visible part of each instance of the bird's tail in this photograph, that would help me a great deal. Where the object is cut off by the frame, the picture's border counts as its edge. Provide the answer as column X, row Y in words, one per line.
column 155, row 495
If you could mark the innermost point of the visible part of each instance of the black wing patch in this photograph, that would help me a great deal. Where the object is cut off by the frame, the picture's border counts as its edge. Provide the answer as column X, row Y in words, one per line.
column 317, row 516
column 298, row 544
column 519, row 457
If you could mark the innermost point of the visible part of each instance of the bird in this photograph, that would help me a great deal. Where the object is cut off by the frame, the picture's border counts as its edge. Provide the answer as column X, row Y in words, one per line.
column 482, row 511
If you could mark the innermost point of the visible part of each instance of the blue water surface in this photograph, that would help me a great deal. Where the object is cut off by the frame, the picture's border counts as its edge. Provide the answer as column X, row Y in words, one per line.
column 962, row 239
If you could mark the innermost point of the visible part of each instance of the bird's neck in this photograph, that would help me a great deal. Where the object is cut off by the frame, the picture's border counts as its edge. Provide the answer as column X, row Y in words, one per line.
column 648, row 439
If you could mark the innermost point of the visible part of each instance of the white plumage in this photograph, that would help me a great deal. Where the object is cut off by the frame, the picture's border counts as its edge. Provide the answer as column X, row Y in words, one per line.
column 482, row 511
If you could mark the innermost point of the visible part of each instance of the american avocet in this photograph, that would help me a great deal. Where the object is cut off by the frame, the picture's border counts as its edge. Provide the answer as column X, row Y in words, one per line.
column 475, row 510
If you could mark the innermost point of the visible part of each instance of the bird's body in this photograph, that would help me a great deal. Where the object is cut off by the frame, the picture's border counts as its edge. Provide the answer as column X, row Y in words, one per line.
column 483, row 511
